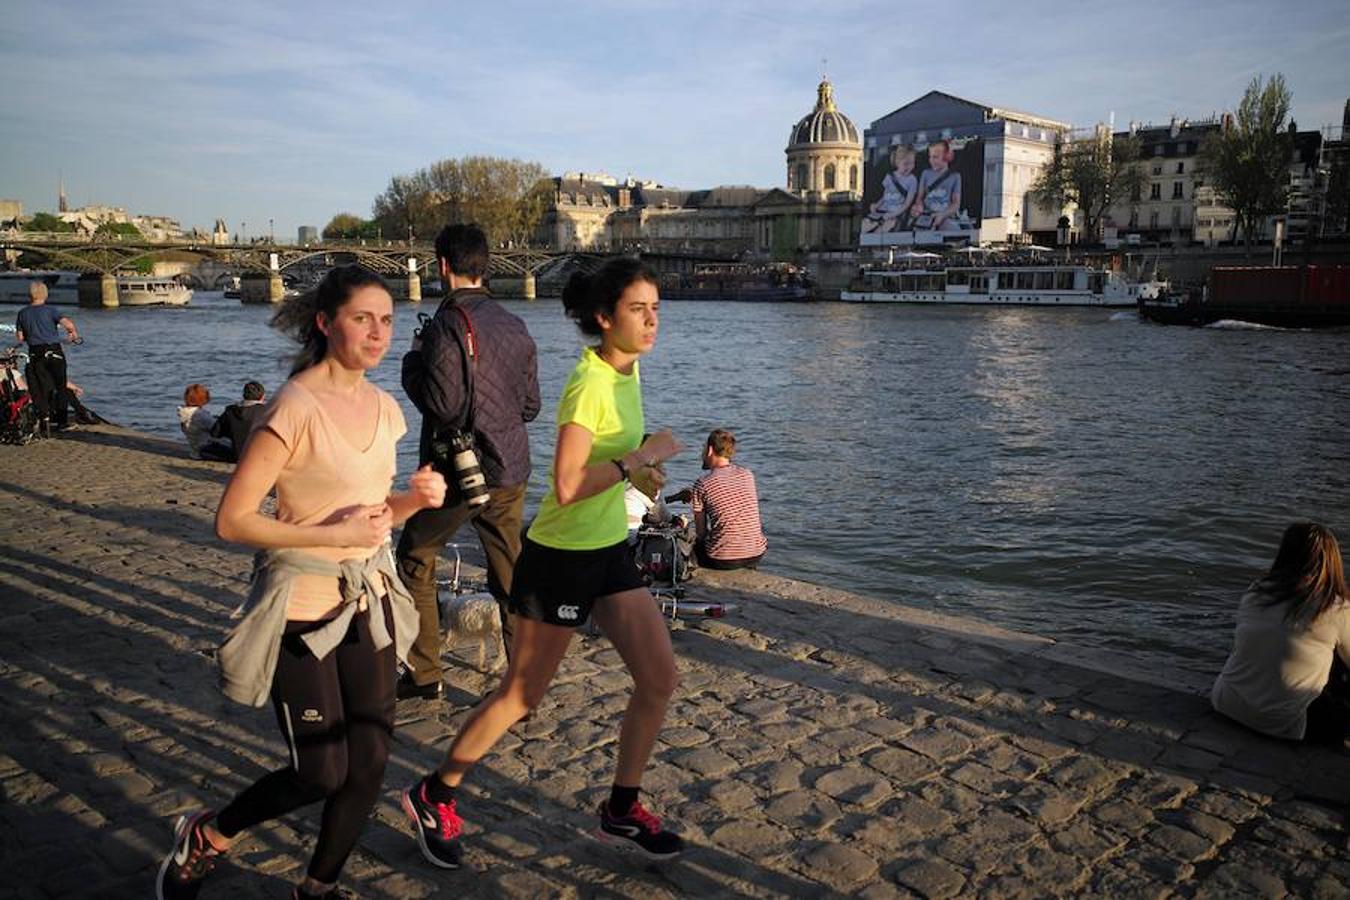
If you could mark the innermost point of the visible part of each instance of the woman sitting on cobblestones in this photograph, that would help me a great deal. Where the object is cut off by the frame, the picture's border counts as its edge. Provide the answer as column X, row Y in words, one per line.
column 328, row 613
column 577, row 560
column 1287, row 674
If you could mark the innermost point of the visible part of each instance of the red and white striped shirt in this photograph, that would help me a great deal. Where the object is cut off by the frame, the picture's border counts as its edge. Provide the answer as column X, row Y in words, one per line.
column 730, row 505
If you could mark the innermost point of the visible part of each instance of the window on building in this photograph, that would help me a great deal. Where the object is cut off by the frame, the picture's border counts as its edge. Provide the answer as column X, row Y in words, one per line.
column 852, row 178
column 1153, row 219
column 1178, row 190
column 1176, row 215
column 1155, row 191
column 1134, row 218
column 829, row 177
column 1135, row 193
column 1157, row 170
column 1181, row 168
column 801, row 177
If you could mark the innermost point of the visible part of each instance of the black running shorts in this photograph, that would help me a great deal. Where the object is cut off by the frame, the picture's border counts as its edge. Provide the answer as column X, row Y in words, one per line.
column 560, row 586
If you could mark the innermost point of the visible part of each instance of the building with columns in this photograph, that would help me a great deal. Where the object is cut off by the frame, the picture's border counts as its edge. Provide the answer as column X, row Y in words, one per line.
column 815, row 209
column 824, row 153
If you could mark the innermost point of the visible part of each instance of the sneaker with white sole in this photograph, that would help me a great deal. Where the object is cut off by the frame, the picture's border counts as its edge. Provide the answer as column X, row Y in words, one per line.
column 639, row 832
column 192, row 857
column 437, row 826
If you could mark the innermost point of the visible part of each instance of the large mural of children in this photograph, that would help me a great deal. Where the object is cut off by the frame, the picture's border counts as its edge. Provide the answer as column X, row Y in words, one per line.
column 928, row 194
column 899, row 189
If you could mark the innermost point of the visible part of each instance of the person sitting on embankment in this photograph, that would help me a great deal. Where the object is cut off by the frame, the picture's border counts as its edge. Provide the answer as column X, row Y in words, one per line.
column 1287, row 675
column 196, row 422
column 236, row 422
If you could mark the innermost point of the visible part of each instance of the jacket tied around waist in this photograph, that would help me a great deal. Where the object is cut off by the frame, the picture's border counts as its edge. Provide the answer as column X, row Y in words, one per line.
column 248, row 657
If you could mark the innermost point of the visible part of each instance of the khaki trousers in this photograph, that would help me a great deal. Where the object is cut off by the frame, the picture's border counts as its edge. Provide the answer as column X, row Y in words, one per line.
column 498, row 523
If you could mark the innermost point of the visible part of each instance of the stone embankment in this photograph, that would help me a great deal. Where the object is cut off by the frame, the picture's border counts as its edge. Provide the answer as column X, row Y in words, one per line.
column 819, row 744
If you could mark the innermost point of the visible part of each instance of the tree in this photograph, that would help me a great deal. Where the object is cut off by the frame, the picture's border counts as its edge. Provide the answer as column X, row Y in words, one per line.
column 505, row 197
column 1247, row 161
column 345, row 226
column 118, row 229
column 1093, row 174
column 408, row 206
column 45, row 221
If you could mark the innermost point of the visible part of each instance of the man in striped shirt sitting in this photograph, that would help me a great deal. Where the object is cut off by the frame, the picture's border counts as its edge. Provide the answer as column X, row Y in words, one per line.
column 726, row 509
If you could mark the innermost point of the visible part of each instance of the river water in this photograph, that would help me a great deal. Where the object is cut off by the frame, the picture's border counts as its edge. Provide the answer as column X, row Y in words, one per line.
column 1072, row 473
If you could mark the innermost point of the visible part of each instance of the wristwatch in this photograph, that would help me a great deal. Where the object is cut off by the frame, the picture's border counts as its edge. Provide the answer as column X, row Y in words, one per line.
column 623, row 470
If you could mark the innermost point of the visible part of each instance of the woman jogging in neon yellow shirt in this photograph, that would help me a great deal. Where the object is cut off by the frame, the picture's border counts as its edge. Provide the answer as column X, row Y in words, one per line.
column 576, row 561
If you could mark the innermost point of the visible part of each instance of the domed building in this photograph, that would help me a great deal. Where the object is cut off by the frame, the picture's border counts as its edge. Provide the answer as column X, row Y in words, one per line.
column 824, row 151
column 818, row 212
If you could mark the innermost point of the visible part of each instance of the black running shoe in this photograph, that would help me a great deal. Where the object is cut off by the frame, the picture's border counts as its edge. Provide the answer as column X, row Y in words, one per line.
column 438, row 827
column 192, row 857
column 407, row 689
column 638, row 832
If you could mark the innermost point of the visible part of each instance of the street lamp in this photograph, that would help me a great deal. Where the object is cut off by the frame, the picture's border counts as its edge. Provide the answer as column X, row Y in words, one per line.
column 271, row 232
column 243, row 232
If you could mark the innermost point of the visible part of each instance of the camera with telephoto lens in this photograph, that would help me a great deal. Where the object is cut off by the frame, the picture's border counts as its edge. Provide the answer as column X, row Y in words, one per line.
column 453, row 455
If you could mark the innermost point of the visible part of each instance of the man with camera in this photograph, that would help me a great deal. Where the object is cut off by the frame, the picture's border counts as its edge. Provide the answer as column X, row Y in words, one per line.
column 472, row 374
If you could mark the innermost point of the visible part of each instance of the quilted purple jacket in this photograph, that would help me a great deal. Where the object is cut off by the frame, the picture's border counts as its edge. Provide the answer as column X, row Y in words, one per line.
column 506, row 383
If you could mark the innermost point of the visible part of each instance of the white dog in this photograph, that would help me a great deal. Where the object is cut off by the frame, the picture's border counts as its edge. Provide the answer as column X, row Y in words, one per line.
column 473, row 616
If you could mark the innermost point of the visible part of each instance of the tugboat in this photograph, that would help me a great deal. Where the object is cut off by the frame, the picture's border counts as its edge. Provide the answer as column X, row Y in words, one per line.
column 1278, row 296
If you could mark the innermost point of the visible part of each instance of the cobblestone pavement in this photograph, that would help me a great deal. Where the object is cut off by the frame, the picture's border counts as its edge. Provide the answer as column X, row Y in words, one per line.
column 819, row 744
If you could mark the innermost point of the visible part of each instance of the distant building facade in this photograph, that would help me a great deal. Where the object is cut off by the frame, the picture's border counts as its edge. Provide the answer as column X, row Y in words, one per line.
column 1336, row 162
column 87, row 220
column 815, row 209
column 1175, row 205
column 11, row 211
column 997, row 152
column 306, row 235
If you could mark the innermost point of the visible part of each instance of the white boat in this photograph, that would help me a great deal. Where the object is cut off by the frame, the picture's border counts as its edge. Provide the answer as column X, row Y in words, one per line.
column 62, row 287
column 1034, row 284
column 133, row 290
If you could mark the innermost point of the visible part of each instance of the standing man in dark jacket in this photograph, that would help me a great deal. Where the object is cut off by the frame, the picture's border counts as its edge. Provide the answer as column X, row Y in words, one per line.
column 505, row 397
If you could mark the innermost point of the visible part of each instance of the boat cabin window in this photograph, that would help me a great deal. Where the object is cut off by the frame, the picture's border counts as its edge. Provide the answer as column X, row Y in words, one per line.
column 1045, row 281
column 1005, row 281
column 958, row 276
column 1095, row 281
column 979, row 283
column 1025, row 280
column 1064, row 281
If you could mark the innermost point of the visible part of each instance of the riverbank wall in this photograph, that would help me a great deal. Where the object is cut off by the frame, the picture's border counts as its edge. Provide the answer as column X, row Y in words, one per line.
column 820, row 743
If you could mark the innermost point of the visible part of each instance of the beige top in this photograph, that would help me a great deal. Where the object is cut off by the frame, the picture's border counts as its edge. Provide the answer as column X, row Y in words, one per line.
column 324, row 476
column 1278, row 668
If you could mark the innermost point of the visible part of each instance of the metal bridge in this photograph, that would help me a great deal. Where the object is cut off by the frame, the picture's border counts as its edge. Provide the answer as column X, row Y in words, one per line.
column 107, row 255
column 263, row 266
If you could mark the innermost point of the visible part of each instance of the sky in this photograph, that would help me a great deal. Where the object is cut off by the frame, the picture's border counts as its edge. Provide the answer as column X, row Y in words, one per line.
column 292, row 112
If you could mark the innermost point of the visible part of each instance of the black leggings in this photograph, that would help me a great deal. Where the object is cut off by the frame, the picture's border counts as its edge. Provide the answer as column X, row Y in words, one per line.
column 336, row 715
